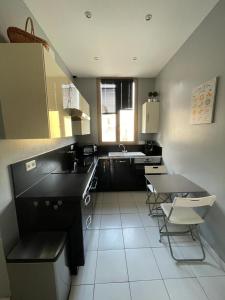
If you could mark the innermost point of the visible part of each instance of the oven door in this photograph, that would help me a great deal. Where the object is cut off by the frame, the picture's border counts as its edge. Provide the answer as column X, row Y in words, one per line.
column 87, row 212
column 93, row 190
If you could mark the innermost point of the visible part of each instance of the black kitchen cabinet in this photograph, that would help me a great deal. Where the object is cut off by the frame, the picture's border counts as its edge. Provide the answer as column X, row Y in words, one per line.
column 104, row 175
column 119, row 175
column 123, row 174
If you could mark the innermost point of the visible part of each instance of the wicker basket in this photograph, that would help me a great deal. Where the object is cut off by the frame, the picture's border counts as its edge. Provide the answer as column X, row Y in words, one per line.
column 17, row 35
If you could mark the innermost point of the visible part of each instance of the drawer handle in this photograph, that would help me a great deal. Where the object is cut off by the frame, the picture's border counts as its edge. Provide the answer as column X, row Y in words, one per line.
column 87, row 200
column 88, row 221
column 155, row 167
column 94, row 185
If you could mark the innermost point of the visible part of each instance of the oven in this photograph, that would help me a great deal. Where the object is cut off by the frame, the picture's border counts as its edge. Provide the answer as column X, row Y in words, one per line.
column 87, row 208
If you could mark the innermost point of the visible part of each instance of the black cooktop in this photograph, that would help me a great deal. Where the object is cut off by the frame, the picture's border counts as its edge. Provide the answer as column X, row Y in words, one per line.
column 70, row 185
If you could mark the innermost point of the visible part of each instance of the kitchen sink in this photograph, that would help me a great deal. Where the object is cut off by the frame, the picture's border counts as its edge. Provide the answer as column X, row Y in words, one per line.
column 125, row 154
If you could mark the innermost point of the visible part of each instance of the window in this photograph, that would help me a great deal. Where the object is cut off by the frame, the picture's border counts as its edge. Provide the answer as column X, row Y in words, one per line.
column 117, row 111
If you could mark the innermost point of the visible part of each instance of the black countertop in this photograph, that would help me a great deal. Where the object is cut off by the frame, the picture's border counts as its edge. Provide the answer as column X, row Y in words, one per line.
column 62, row 185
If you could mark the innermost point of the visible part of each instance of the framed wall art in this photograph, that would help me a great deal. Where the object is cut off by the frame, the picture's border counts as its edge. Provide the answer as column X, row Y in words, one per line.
column 202, row 102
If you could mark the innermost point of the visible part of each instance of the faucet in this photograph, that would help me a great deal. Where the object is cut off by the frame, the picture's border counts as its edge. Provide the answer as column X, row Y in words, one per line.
column 75, row 163
column 122, row 146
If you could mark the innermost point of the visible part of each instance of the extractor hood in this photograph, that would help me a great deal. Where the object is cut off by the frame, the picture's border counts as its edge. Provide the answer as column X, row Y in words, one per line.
column 77, row 115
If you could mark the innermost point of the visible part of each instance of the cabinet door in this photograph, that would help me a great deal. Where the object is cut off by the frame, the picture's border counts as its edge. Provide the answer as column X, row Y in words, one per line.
column 81, row 127
column 104, row 175
column 144, row 115
column 59, row 119
column 71, row 96
column 84, row 106
column 23, row 91
column 64, row 114
column 150, row 117
column 123, row 177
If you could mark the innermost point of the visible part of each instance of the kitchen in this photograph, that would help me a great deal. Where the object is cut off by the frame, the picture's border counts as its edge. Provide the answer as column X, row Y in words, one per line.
column 194, row 151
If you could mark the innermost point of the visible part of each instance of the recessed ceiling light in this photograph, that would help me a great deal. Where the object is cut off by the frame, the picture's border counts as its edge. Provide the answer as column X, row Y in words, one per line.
column 148, row 17
column 134, row 58
column 96, row 58
column 88, row 14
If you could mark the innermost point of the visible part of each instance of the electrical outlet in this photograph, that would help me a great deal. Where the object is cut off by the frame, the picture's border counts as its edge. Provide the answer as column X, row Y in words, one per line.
column 30, row 165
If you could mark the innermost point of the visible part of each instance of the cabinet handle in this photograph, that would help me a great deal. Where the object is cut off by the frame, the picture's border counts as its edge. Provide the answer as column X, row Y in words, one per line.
column 94, row 185
column 87, row 200
column 122, row 161
column 88, row 221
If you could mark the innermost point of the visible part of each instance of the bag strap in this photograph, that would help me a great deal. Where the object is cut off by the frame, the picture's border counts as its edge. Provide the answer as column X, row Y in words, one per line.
column 31, row 25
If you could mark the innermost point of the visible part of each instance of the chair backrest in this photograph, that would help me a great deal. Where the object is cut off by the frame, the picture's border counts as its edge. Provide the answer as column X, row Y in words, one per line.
column 194, row 202
column 161, row 169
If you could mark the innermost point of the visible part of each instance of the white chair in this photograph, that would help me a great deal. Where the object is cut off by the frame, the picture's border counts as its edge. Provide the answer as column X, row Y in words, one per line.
column 181, row 212
column 154, row 170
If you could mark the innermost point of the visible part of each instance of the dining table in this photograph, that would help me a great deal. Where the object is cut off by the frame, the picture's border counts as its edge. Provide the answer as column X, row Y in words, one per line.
column 165, row 186
column 173, row 184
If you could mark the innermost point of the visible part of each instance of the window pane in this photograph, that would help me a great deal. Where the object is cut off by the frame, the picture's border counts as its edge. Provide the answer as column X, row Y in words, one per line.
column 108, row 98
column 109, row 128
column 127, row 125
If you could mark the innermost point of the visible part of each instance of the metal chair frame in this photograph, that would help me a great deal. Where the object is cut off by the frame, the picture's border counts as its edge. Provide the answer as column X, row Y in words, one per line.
column 154, row 206
column 193, row 231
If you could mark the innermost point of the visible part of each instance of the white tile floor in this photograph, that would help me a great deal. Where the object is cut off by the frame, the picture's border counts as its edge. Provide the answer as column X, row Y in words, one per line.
column 125, row 260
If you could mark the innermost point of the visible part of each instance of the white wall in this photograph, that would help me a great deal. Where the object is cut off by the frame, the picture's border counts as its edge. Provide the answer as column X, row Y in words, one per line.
column 197, row 151
column 88, row 88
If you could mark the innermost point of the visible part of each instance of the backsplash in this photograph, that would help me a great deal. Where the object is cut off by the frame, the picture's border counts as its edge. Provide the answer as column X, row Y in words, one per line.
column 45, row 164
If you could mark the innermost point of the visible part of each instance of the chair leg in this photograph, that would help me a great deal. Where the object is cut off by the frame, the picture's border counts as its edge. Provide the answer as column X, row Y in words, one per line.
column 168, row 234
column 147, row 192
column 192, row 235
column 154, row 205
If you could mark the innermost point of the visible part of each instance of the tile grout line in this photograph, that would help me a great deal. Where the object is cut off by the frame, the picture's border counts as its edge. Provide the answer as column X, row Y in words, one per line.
column 163, row 279
column 155, row 259
column 93, row 294
column 161, row 275
column 126, row 261
column 202, row 288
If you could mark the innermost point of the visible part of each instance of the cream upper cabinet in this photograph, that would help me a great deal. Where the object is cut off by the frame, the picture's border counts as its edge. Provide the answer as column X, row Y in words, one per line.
column 31, row 93
column 71, row 96
column 150, row 117
column 81, row 127
column 84, row 106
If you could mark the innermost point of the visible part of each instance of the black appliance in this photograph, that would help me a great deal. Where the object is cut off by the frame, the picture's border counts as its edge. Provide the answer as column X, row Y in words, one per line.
column 80, row 165
column 149, row 147
column 69, row 158
column 89, row 149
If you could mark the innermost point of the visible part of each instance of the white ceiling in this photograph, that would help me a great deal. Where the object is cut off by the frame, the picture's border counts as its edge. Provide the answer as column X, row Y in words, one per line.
column 117, row 32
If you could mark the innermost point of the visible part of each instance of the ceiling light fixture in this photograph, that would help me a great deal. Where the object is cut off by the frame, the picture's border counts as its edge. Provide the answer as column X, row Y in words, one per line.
column 88, row 14
column 148, row 17
column 134, row 58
